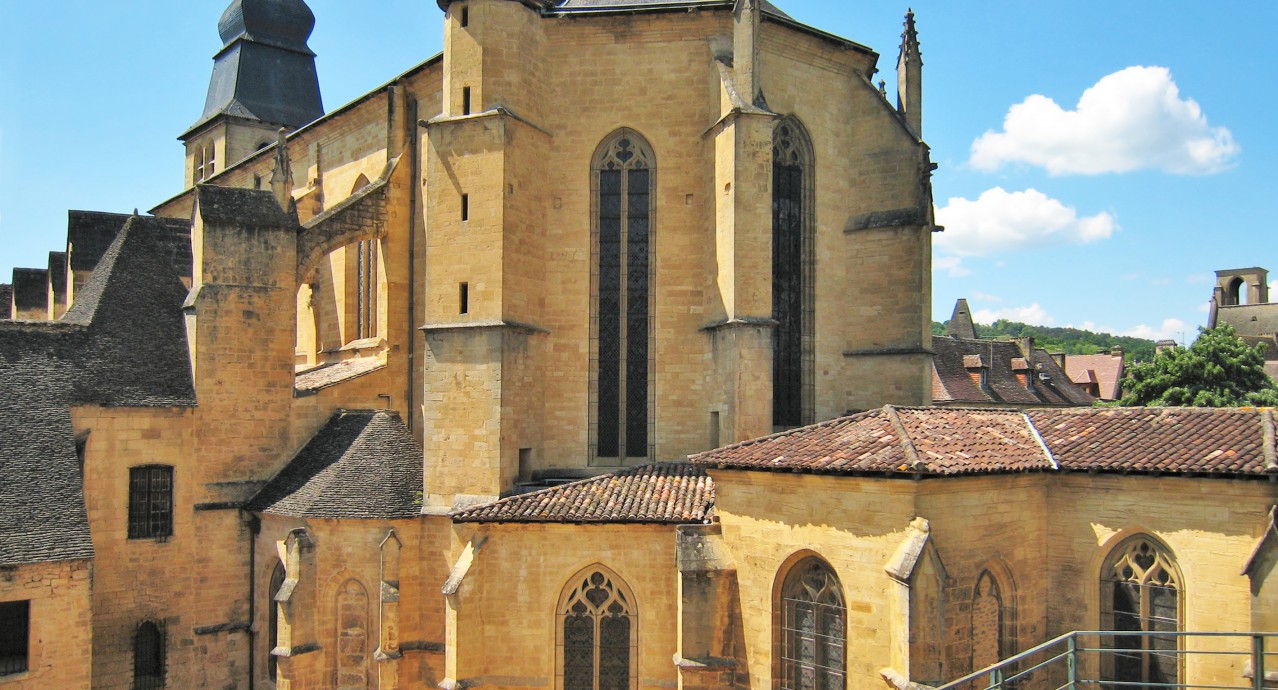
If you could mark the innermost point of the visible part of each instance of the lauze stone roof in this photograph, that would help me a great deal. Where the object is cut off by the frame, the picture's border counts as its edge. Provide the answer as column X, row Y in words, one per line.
column 1012, row 377
column 122, row 344
column 363, row 464
column 924, row 442
column 671, row 493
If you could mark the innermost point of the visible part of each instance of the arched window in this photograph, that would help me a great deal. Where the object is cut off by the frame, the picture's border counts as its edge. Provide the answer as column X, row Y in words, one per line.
column 352, row 636
column 813, row 628
column 148, row 657
column 1141, row 592
column 624, row 181
column 596, row 631
column 993, row 620
column 273, row 621
column 793, row 276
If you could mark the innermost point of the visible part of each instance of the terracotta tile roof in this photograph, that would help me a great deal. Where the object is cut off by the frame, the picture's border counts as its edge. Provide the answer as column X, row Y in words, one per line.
column 1012, row 378
column 671, row 493
column 943, row 441
column 1105, row 370
column 1153, row 439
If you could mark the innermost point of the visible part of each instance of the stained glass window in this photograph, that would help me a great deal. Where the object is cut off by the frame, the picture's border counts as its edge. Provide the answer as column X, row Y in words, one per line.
column 624, row 181
column 813, row 629
column 1141, row 593
column 791, row 274
column 598, row 641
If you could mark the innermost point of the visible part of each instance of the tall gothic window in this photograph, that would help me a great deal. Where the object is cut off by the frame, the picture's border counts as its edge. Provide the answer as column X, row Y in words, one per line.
column 597, row 639
column 813, row 629
column 352, row 637
column 624, row 173
column 366, row 289
column 148, row 657
column 993, row 620
column 1140, row 592
column 792, row 276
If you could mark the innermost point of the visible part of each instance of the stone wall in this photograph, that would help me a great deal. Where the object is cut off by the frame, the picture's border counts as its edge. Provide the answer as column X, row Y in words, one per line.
column 60, row 630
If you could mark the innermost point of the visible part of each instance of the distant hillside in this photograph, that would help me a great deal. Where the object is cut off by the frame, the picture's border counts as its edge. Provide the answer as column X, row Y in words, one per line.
column 1072, row 341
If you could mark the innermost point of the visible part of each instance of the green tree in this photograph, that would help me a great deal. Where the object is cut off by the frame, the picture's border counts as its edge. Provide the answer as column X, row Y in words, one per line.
column 1218, row 370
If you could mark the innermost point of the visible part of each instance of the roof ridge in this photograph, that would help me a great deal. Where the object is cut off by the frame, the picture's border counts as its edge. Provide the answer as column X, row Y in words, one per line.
column 916, row 463
column 1042, row 443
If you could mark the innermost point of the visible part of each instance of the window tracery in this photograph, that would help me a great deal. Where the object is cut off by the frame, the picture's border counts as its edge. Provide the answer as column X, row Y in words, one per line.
column 813, row 629
column 624, row 179
column 793, row 277
column 1141, row 593
column 597, row 634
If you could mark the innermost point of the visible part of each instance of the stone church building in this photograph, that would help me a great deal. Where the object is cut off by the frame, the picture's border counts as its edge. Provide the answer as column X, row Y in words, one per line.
column 593, row 353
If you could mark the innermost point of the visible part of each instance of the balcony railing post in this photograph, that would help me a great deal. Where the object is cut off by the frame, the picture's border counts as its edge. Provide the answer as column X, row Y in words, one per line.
column 1258, row 662
column 996, row 679
column 1071, row 663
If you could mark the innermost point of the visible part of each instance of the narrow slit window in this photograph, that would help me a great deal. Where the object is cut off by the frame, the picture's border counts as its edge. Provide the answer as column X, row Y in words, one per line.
column 465, row 207
column 465, row 16
column 463, row 298
column 465, row 100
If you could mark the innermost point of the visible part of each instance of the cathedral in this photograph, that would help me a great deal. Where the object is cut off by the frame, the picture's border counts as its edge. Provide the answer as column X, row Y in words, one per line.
column 593, row 353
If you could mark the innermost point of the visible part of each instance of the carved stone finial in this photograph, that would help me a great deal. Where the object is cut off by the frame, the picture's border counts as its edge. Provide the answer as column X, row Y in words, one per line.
column 883, row 89
column 282, row 174
column 910, row 38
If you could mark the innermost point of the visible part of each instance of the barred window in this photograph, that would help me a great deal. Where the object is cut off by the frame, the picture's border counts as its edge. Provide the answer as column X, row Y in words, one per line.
column 624, row 179
column 150, row 502
column 1140, row 592
column 813, row 629
column 148, row 657
column 366, row 289
column 15, row 630
column 597, row 634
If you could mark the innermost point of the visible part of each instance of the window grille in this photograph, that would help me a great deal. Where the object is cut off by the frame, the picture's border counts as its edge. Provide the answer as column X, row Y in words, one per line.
column 148, row 657
column 598, row 640
column 366, row 282
column 813, row 629
column 1141, row 593
column 15, row 631
column 150, row 502
column 792, row 279
column 625, row 181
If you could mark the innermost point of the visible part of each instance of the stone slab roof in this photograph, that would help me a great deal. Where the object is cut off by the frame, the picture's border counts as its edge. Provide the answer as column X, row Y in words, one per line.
column 1250, row 319
column 955, row 375
column 575, row 6
column 363, row 464
column 30, row 288
column 6, row 301
column 672, row 493
column 326, row 375
column 90, row 233
column 123, row 344
column 910, row 442
column 1105, row 370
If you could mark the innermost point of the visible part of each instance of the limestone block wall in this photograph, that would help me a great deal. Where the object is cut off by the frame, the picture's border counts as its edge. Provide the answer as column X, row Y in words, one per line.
column 771, row 521
column 349, row 617
column 1211, row 527
column 60, row 651
column 502, row 629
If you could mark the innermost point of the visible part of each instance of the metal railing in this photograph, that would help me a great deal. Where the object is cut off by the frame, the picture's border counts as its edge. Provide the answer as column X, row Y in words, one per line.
column 1123, row 660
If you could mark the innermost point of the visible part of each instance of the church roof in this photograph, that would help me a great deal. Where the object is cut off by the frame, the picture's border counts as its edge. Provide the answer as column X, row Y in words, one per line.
column 363, row 464
column 672, row 493
column 574, row 6
column 920, row 442
column 1250, row 319
column 90, row 233
column 122, row 344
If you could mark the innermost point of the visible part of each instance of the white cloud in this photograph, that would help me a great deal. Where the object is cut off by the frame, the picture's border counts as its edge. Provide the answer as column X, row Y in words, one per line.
column 1133, row 119
column 1171, row 329
column 1273, row 290
column 1033, row 315
column 1000, row 221
column 979, row 296
column 1198, row 278
column 952, row 264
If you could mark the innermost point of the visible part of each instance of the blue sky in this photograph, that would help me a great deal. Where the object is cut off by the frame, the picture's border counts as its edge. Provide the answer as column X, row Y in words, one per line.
column 1098, row 160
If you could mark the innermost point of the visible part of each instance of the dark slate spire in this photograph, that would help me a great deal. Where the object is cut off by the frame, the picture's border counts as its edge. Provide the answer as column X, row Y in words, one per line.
column 961, row 325
column 265, row 72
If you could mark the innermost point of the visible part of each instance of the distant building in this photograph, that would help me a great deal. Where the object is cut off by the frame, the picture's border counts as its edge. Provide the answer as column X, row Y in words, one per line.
column 1241, row 299
column 1101, row 375
column 967, row 370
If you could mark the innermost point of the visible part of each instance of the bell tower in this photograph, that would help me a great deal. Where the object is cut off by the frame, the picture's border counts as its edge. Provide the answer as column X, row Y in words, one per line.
column 264, row 78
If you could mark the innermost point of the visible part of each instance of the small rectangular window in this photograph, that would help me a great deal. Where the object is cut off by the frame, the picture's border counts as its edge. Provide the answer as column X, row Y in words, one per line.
column 465, row 16
column 463, row 298
column 150, row 502
column 15, row 628
column 465, row 207
column 465, row 100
